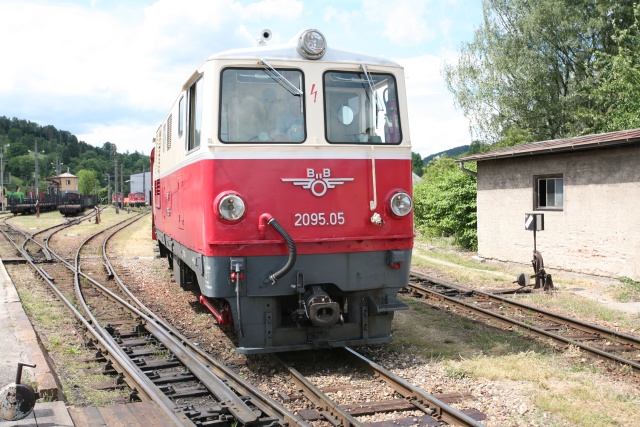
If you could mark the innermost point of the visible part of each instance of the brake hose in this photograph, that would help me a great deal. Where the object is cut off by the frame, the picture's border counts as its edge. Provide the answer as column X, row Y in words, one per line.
column 273, row 278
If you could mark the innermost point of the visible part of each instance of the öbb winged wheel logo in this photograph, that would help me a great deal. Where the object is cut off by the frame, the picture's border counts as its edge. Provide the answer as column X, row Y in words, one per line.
column 317, row 182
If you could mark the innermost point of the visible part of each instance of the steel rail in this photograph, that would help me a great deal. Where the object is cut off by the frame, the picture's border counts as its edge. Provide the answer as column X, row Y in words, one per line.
column 338, row 416
column 214, row 375
column 123, row 364
column 330, row 410
column 29, row 238
column 111, row 347
column 261, row 400
column 219, row 389
column 602, row 333
column 68, row 223
column 140, row 378
column 417, row 397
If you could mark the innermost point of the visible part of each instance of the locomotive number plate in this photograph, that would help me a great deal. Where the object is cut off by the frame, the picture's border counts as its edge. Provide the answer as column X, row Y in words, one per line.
column 318, row 219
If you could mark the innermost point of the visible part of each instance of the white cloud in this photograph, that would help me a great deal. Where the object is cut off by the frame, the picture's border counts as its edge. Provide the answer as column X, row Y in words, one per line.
column 55, row 56
column 116, row 64
column 268, row 9
column 434, row 122
column 138, row 136
column 109, row 71
column 404, row 22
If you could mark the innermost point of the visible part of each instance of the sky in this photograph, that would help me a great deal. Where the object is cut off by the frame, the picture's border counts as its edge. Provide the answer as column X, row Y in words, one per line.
column 109, row 70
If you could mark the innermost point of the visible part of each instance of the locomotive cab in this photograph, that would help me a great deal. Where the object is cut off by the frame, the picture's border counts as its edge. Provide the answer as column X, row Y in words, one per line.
column 282, row 188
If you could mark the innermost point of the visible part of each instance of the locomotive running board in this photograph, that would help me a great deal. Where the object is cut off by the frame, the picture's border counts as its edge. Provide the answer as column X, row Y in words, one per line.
column 387, row 307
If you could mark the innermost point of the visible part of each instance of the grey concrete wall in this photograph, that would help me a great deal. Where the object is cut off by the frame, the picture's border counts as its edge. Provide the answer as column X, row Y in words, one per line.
column 598, row 229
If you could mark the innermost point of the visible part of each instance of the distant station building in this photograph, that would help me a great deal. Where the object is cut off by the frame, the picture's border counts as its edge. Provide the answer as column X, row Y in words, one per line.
column 64, row 183
column 588, row 189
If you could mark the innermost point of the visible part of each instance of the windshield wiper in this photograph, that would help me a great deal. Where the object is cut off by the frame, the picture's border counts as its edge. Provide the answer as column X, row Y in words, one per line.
column 275, row 75
column 373, row 93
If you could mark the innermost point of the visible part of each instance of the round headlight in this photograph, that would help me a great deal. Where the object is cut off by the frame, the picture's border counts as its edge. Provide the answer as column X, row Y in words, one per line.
column 401, row 204
column 231, row 207
column 312, row 44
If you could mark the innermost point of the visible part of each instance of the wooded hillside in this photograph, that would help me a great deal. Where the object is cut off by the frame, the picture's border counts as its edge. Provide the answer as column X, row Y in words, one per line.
column 59, row 151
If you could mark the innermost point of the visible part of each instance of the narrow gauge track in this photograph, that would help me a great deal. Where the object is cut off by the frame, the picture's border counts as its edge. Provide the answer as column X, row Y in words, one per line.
column 15, row 238
column 63, row 290
column 413, row 405
column 153, row 358
column 602, row 342
column 26, row 246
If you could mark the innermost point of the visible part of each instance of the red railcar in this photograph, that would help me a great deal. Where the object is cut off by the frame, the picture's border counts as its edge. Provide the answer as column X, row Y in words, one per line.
column 120, row 197
column 282, row 189
column 137, row 199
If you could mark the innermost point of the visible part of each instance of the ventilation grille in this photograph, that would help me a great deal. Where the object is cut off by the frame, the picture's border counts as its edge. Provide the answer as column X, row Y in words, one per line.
column 169, row 121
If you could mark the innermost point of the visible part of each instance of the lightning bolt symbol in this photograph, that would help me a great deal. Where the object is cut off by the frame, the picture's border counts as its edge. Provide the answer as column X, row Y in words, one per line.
column 314, row 92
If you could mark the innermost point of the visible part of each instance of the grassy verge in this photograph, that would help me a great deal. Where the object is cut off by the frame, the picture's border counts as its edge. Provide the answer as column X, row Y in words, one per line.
column 75, row 366
column 74, row 363
column 442, row 260
column 629, row 290
column 565, row 387
column 562, row 385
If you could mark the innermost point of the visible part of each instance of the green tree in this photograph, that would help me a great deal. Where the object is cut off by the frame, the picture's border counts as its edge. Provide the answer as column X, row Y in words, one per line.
column 477, row 147
column 87, row 181
column 611, row 98
column 516, row 78
column 445, row 203
column 17, row 149
column 93, row 164
column 22, row 166
column 416, row 163
column 14, row 134
column 61, row 147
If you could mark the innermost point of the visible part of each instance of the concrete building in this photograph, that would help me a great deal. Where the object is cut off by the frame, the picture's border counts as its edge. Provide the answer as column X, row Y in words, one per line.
column 65, row 182
column 141, row 182
column 588, row 189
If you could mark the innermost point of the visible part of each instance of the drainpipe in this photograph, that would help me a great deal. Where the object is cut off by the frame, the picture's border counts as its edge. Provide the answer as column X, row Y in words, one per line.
column 467, row 171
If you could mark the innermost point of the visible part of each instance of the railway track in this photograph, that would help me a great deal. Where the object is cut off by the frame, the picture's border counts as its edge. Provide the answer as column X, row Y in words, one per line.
column 151, row 358
column 407, row 404
column 25, row 246
column 145, row 352
column 598, row 341
column 434, row 410
column 142, row 339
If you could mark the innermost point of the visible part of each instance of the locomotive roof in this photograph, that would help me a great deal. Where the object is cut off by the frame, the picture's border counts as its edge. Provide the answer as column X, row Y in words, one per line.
column 289, row 52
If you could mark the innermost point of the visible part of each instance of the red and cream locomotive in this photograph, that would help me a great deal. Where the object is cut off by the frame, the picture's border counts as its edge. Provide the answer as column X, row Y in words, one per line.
column 137, row 199
column 282, row 188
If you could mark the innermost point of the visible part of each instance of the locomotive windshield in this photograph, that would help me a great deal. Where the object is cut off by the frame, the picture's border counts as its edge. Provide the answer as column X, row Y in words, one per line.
column 258, row 106
column 361, row 108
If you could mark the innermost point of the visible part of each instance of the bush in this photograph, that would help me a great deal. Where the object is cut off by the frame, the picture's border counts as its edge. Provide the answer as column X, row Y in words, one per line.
column 445, row 203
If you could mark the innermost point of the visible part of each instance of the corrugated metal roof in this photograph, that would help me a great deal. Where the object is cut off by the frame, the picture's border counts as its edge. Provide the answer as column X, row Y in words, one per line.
column 585, row 142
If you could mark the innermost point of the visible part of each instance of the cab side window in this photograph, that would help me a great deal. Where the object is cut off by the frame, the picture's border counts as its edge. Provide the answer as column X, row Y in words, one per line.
column 194, row 115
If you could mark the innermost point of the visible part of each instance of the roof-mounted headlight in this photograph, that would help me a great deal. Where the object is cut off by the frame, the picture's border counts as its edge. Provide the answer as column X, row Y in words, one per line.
column 312, row 44
column 231, row 207
column 401, row 204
